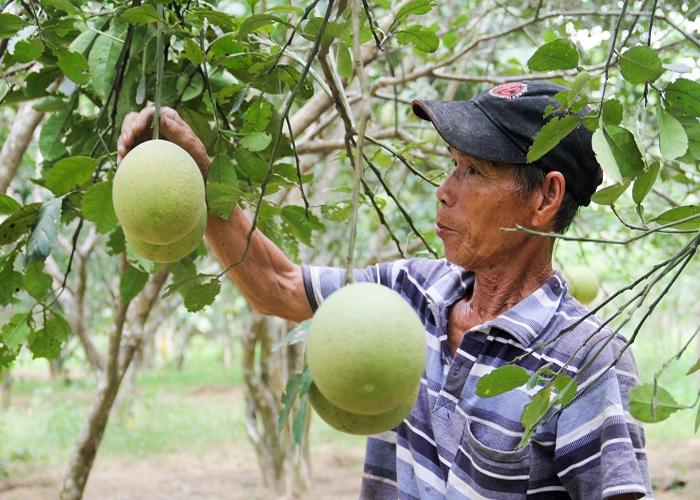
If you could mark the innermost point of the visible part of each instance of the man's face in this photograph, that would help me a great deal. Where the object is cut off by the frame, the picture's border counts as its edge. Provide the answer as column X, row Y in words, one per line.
column 477, row 199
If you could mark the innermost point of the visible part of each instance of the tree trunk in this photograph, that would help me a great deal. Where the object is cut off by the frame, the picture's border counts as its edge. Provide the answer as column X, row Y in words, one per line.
column 124, row 337
column 265, row 374
column 23, row 126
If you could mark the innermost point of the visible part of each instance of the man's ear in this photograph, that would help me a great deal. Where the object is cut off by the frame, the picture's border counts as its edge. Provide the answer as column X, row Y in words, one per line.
column 548, row 201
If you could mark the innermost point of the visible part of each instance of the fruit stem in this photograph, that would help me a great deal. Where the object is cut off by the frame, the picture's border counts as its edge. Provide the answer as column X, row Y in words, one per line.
column 160, row 62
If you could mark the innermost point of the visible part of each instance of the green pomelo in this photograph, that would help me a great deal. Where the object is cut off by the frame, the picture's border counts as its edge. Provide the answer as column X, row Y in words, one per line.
column 171, row 251
column 158, row 192
column 366, row 349
column 352, row 423
column 583, row 283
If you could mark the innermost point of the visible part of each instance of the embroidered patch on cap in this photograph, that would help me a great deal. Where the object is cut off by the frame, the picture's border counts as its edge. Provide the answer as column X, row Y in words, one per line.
column 508, row 90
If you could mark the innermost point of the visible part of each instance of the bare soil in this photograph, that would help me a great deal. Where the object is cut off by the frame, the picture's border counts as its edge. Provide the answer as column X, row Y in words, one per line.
column 231, row 473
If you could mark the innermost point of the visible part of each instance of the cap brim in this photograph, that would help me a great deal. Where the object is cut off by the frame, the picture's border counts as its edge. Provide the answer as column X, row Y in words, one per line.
column 466, row 128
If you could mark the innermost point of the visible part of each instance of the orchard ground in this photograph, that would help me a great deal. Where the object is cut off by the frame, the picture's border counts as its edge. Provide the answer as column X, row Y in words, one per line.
column 229, row 471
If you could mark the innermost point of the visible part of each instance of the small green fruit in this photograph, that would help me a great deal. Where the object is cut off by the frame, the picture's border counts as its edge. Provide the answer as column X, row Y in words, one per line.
column 583, row 283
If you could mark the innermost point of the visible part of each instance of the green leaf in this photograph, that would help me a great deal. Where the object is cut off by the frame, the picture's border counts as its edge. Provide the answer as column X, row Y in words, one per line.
column 299, row 423
column 292, row 390
column 257, row 21
column 132, row 282
column 609, row 195
column 673, row 141
column 73, row 65
column 8, row 204
column 300, row 222
column 256, row 142
column 555, row 55
column 10, row 25
column 227, row 22
column 551, row 134
column 313, row 28
column 257, row 116
column 640, row 64
column 612, row 112
column 69, row 173
column 193, row 51
column 44, row 231
column 501, row 380
column 222, row 187
column 694, row 368
column 63, row 6
column 651, row 404
column 617, row 152
column 421, row 38
column 684, row 95
column 643, row 184
column 198, row 291
column 28, row 50
column 697, row 420
column 536, row 408
column 416, row 8
column 691, row 125
column 98, row 208
column 36, row 282
column 46, row 343
column 19, row 223
column 680, row 213
column 564, row 395
column 15, row 332
column 143, row 14
column 296, row 335
column 103, row 58
column 345, row 64
column 10, row 283
column 53, row 131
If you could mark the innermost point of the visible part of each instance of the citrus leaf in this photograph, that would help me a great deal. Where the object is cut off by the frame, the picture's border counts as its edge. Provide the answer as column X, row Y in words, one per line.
column 421, row 38
column 691, row 125
column 19, row 223
column 15, row 332
column 550, row 135
column 73, row 65
column 8, row 204
column 652, row 404
column 257, row 21
column 673, row 141
column 227, row 22
column 680, row 213
column 143, row 14
column 10, row 283
column 132, row 282
column 36, row 282
column 256, row 142
column 604, row 155
column 97, row 207
column 46, row 343
column 609, row 195
column 7, row 355
column 417, row 8
column 198, row 291
column 299, row 423
column 222, row 187
column 617, row 152
column 103, row 58
column 28, row 50
column 555, row 55
column 561, row 382
column 536, row 407
column 69, row 173
column 612, row 112
column 643, row 184
column 296, row 335
column 62, row 5
column 684, row 94
column 297, row 385
column 345, row 64
column 501, row 380
column 694, row 368
column 193, row 51
column 640, row 64
column 697, row 420
column 10, row 25
column 44, row 231
column 53, row 131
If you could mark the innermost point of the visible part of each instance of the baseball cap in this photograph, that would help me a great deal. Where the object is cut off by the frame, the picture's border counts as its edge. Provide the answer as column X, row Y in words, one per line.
column 501, row 123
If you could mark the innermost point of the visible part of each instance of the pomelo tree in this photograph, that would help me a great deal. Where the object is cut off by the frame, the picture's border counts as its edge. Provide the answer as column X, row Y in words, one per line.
column 286, row 97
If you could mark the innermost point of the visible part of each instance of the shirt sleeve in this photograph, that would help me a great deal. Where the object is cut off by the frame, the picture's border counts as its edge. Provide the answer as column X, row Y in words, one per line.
column 599, row 445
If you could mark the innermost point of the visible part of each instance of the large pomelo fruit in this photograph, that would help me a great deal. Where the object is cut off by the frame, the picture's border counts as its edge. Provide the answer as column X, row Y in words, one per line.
column 583, row 283
column 169, row 252
column 366, row 349
column 353, row 423
column 158, row 192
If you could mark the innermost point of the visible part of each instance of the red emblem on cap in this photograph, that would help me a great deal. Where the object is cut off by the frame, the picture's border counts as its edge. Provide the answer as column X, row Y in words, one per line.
column 508, row 90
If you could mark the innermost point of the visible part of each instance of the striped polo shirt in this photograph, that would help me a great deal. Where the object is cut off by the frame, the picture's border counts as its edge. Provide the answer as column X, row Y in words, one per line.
column 456, row 445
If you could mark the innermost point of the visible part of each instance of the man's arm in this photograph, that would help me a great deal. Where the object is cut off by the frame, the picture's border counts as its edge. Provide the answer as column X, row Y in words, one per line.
column 271, row 283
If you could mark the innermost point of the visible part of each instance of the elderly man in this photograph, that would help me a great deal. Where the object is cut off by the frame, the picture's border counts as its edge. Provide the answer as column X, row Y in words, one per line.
column 494, row 298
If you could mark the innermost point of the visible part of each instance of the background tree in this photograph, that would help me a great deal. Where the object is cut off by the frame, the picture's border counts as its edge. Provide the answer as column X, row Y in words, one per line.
column 305, row 110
